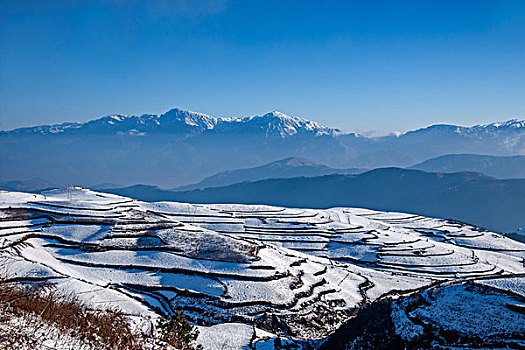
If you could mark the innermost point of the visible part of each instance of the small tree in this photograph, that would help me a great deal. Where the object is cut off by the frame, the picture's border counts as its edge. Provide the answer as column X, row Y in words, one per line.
column 280, row 344
column 178, row 332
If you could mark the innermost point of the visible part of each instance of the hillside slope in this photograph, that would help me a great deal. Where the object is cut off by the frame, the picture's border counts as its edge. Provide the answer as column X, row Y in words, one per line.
column 250, row 272
column 281, row 169
column 500, row 167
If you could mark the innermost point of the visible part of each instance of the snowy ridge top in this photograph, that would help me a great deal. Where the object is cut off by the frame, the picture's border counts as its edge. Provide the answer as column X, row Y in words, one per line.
column 511, row 125
column 178, row 120
column 280, row 123
column 273, row 123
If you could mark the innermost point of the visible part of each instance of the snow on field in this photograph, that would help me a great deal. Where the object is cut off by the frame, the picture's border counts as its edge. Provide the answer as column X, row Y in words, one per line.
column 294, row 272
column 231, row 336
column 464, row 313
column 513, row 284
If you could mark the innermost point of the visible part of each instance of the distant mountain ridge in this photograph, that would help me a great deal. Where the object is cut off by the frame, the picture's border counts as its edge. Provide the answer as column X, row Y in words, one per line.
column 466, row 196
column 181, row 147
column 31, row 185
column 512, row 167
column 180, row 121
column 284, row 168
column 476, row 129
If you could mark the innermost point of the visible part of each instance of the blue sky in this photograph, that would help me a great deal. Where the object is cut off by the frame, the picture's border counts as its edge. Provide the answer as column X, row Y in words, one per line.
column 361, row 66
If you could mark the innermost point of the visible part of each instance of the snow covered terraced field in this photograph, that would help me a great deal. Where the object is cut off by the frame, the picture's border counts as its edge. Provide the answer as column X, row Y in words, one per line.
column 246, row 274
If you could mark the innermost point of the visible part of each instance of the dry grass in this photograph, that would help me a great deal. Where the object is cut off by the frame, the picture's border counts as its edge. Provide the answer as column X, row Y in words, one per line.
column 104, row 329
column 36, row 316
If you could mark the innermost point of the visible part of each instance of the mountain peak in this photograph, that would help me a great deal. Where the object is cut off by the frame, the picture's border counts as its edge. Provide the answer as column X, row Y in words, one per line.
column 277, row 114
column 295, row 162
column 285, row 125
column 177, row 113
column 511, row 124
column 176, row 117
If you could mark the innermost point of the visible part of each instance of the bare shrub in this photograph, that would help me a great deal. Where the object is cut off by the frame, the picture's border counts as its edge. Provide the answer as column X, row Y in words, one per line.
column 36, row 312
column 102, row 328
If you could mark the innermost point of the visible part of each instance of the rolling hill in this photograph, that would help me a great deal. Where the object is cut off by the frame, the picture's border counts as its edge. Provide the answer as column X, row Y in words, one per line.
column 281, row 169
column 254, row 276
column 512, row 167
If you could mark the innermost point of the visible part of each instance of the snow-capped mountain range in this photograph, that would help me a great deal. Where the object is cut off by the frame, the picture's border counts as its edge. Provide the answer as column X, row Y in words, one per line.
column 512, row 124
column 179, row 121
column 181, row 147
column 276, row 123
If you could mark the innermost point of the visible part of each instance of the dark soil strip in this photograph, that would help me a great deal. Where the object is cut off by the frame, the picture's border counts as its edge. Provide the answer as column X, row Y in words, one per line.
column 179, row 271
